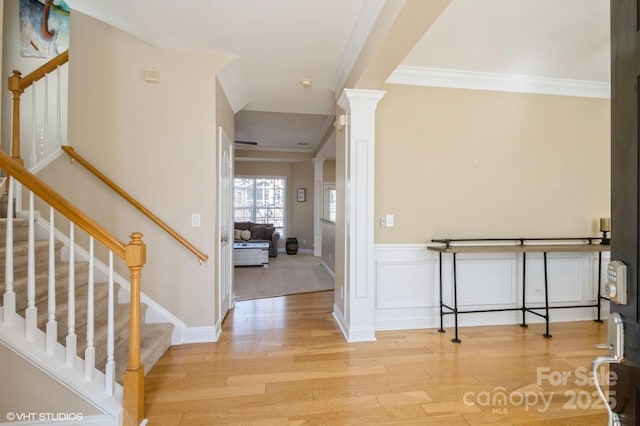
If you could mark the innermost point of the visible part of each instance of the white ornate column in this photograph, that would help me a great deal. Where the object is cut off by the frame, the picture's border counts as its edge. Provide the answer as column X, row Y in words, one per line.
column 360, row 107
column 318, row 200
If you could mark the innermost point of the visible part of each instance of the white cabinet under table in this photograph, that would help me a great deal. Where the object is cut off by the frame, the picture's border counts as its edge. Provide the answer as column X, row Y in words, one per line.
column 251, row 254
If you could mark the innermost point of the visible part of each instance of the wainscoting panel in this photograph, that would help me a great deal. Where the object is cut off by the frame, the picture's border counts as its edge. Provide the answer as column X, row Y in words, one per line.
column 413, row 284
column 567, row 275
column 407, row 286
column 474, row 289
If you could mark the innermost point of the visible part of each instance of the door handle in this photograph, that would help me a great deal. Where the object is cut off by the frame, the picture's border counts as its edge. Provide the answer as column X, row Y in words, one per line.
column 616, row 354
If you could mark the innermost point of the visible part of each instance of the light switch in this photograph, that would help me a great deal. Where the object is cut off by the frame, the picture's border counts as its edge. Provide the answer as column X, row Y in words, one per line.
column 389, row 220
column 195, row 220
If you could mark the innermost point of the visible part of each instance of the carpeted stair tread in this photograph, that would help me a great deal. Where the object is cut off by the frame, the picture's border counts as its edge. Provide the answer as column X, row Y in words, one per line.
column 20, row 229
column 20, row 254
column 155, row 339
column 121, row 331
column 42, row 284
column 100, row 294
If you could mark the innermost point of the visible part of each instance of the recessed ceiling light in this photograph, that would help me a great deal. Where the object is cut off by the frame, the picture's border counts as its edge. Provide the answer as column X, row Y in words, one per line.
column 306, row 82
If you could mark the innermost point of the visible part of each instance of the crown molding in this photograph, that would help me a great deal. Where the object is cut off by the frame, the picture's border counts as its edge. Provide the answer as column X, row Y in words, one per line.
column 359, row 34
column 458, row 79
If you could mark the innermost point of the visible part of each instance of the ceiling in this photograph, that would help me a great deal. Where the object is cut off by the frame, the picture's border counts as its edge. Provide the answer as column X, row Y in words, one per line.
column 280, row 42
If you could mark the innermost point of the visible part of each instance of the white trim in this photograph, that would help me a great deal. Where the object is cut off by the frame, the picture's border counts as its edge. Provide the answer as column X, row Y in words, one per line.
column 46, row 161
column 329, row 271
column 201, row 334
column 459, row 79
column 359, row 35
column 350, row 333
column 360, row 107
column 318, row 195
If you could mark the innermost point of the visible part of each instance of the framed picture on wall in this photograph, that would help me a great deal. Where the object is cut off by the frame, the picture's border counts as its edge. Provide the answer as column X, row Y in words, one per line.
column 302, row 194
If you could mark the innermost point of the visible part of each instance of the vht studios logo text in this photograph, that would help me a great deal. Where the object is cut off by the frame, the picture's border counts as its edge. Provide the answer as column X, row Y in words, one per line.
column 43, row 417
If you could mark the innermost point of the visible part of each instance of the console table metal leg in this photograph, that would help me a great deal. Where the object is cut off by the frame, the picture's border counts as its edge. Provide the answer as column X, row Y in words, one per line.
column 546, row 296
column 524, row 290
column 599, row 304
column 455, row 300
column 441, row 330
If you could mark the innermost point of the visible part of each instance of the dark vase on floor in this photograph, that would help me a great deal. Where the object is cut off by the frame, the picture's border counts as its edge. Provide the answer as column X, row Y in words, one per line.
column 292, row 245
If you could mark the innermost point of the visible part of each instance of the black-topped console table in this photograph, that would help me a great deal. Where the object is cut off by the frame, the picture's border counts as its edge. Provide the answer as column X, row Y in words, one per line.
column 517, row 245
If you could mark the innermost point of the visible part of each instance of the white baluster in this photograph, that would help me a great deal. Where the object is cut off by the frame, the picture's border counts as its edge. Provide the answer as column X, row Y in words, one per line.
column 90, row 351
column 31, row 313
column 44, row 144
column 71, row 317
column 58, row 111
column 9, row 301
column 110, row 368
column 34, row 122
column 52, row 324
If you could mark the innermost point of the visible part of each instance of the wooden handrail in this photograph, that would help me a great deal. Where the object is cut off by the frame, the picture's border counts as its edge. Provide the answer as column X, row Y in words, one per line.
column 77, row 157
column 59, row 203
column 43, row 70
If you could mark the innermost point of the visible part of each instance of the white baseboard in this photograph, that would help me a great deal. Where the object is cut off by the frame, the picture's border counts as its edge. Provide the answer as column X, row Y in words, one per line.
column 340, row 320
column 200, row 334
column 353, row 334
column 329, row 271
column 300, row 250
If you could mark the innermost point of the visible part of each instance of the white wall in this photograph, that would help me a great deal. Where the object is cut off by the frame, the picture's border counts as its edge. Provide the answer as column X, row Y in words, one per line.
column 158, row 141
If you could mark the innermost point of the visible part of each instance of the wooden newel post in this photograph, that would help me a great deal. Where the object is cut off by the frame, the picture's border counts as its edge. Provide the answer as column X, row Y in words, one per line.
column 135, row 257
column 14, row 88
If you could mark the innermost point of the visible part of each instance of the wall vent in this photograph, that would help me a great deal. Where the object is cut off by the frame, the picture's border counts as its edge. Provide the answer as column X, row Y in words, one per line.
column 152, row 75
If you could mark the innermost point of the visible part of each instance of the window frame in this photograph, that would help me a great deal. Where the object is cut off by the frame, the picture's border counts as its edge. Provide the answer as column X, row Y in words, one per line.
column 328, row 188
column 255, row 179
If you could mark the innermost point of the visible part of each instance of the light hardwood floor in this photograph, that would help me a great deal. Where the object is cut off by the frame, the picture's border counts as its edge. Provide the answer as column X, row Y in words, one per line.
column 283, row 361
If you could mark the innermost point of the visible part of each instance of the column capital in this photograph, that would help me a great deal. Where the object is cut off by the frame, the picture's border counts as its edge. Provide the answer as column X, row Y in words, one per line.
column 351, row 97
column 319, row 159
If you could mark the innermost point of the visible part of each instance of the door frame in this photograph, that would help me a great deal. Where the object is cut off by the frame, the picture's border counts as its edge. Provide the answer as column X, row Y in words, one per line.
column 224, row 264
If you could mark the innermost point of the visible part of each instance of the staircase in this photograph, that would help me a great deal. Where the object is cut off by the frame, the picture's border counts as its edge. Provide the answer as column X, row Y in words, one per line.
column 110, row 358
column 61, row 314
column 155, row 338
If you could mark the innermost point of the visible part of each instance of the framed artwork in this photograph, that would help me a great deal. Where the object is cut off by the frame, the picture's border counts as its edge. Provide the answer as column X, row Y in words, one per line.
column 302, row 194
column 44, row 28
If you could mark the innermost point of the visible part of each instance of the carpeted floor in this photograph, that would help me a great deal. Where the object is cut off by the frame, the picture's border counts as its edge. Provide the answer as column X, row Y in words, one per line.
column 286, row 274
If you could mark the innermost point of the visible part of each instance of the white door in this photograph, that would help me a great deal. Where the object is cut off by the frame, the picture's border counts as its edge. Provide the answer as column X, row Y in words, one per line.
column 225, row 221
